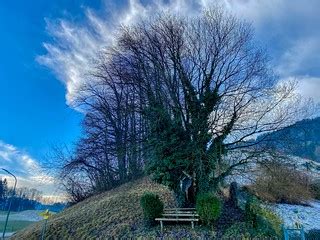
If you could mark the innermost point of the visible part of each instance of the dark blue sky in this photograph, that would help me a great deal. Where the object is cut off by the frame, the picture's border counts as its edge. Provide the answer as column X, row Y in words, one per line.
column 33, row 112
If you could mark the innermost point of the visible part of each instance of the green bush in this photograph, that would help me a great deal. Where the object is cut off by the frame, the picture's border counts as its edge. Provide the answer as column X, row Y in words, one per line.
column 271, row 221
column 208, row 207
column 251, row 210
column 262, row 219
column 152, row 207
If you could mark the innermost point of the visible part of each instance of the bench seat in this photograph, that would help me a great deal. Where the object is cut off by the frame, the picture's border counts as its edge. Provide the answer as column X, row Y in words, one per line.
column 178, row 219
column 179, row 215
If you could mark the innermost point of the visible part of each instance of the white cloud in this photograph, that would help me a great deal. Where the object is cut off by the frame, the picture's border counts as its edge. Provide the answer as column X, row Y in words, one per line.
column 309, row 87
column 301, row 57
column 76, row 45
column 26, row 169
column 287, row 27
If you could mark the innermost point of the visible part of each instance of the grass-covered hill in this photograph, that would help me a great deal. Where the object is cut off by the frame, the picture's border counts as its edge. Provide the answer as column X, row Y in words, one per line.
column 116, row 213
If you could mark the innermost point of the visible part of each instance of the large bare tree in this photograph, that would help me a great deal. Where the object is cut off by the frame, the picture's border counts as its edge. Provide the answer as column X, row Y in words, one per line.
column 206, row 80
column 182, row 95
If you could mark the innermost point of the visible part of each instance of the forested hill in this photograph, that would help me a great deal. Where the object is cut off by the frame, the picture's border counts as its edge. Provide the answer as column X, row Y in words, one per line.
column 300, row 139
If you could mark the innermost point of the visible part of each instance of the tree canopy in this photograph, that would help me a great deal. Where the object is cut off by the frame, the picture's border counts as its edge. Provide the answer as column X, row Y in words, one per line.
column 178, row 95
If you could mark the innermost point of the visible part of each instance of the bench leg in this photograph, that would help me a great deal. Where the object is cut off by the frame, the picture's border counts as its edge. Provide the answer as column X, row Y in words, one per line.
column 161, row 225
column 192, row 225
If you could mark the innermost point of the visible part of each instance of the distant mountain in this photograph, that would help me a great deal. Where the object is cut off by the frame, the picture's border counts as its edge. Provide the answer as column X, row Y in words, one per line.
column 300, row 139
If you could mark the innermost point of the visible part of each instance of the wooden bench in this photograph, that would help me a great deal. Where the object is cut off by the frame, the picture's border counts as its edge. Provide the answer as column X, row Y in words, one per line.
column 179, row 215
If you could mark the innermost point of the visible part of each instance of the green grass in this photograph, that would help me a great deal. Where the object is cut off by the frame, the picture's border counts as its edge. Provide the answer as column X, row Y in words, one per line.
column 14, row 226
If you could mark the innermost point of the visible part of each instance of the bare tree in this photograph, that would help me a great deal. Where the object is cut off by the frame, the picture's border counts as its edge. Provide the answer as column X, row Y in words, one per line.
column 110, row 151
column 207, row 79
column 180, row 95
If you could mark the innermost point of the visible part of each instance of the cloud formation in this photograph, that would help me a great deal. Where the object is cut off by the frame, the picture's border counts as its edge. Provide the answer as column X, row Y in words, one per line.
column 26, row 169
column 288, row 29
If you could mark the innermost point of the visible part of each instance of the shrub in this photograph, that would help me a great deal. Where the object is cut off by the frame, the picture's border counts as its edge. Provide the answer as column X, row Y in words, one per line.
column 251, row 212
column 270, row 221
column 152, row 207
column 282, row 184
column 208, row 207
column 315, row 189
column 261, row 219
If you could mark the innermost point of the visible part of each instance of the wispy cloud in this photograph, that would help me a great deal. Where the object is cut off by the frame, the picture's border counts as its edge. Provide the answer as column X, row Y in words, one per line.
column 287, row 28
column 74, row 46
column 27, row 170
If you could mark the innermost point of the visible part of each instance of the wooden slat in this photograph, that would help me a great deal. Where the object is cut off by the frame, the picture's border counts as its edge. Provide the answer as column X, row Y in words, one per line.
column 172, row 212
column 177, row 210
column 181, row 215
column 178, row 219
column 182, row 209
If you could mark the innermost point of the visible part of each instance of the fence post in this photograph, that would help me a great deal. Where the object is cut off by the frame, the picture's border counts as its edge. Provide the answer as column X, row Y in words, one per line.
column 285, row 233
column 302, row 233
column 43, row 232
column 46, row 215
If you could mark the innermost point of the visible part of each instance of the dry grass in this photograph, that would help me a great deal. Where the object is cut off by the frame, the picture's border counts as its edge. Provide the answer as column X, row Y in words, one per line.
column 282, row 184
column 315, row 188
column 113, row 213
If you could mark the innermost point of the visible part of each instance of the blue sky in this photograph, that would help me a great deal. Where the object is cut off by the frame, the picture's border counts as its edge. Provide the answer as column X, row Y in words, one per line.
column 33, row 110
column 47, row 48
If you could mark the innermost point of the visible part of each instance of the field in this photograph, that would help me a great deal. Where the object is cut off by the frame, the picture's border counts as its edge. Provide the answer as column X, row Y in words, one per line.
column 14, row 225
column 18, row 220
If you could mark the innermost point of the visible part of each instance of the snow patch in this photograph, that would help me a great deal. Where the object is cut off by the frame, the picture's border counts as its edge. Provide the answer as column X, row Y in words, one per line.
column 308, row 216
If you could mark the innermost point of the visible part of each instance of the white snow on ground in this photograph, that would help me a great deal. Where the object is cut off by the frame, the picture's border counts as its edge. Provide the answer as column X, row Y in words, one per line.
column 8, row 234
column 28, row 215
column 309, row 217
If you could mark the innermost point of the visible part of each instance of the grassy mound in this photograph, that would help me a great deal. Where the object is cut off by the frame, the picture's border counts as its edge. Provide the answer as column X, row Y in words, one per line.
column 114, row 213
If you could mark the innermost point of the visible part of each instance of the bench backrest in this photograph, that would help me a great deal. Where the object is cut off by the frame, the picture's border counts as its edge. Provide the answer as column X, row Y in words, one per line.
column 180, row 212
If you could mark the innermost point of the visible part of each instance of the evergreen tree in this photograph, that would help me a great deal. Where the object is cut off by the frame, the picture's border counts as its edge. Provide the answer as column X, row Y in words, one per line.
column 3, row 189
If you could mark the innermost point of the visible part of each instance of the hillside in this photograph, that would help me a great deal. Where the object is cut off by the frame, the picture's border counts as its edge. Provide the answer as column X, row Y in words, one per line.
column 113, row 213
column 300, row 139
column 117, row 214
